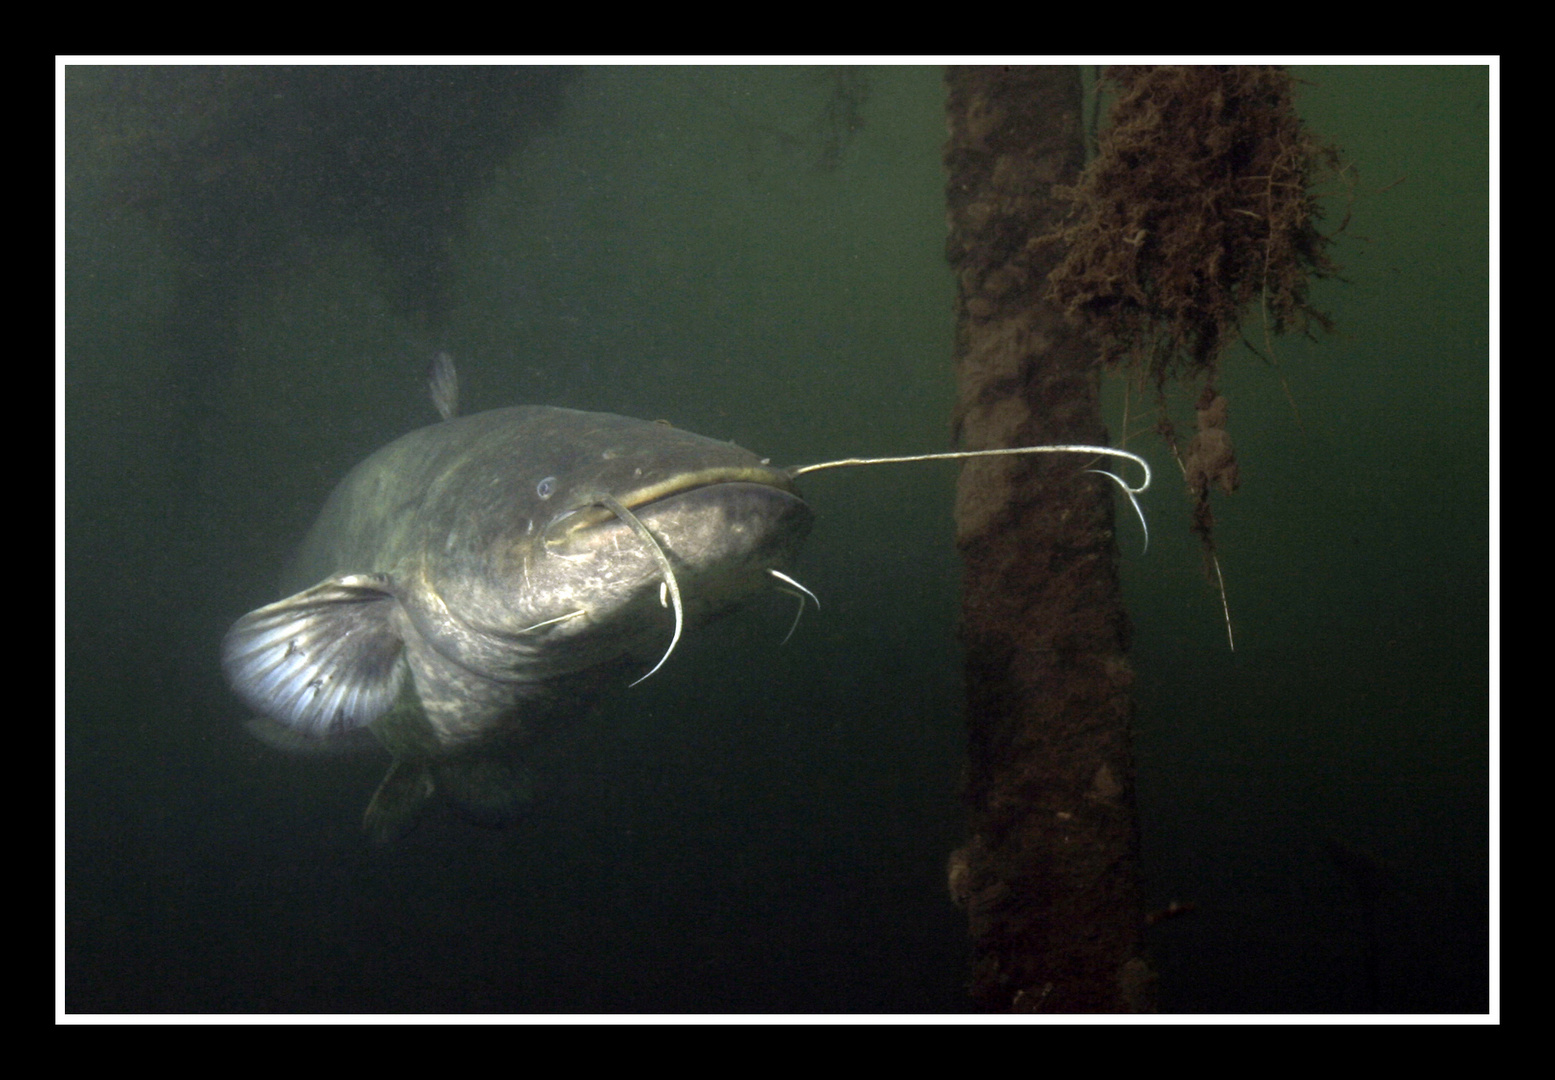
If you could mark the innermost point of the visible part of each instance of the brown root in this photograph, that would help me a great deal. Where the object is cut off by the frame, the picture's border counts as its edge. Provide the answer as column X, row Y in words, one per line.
column 1200, row 203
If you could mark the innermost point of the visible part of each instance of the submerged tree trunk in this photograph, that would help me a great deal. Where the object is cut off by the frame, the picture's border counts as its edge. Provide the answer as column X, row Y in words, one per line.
column 1049, row 876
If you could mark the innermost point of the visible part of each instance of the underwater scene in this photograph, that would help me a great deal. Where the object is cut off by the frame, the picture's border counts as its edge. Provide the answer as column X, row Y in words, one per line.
column 550, row 712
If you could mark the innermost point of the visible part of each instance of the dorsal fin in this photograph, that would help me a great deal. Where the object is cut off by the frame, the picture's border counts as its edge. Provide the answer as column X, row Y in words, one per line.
column 443, row 383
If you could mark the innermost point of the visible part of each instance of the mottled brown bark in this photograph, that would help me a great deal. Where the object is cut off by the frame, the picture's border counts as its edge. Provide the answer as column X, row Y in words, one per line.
column 1049, row 876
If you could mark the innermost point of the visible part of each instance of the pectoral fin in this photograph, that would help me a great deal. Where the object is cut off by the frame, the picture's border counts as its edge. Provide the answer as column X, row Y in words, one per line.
column 325, row 661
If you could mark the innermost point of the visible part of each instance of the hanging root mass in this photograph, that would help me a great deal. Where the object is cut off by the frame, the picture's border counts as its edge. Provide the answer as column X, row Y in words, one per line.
column 1201, row 203
column 1198, row 204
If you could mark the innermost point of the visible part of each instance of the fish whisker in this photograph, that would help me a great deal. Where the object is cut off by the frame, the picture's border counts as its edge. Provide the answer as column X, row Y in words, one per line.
column 801, row 594
column 615, row 507
column 796, row 471
column 548, row 622
column 1133, row 501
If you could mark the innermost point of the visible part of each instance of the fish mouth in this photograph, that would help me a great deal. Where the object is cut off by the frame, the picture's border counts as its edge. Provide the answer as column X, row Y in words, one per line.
column 714, row 533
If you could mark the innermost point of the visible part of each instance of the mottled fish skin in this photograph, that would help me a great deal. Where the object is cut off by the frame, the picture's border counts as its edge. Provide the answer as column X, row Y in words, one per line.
column 464, row 587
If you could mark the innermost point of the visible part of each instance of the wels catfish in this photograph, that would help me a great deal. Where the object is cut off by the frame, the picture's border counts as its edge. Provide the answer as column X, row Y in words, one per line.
column 480, row 580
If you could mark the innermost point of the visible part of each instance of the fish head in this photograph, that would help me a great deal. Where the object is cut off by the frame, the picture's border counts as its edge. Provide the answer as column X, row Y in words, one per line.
column 559, row 579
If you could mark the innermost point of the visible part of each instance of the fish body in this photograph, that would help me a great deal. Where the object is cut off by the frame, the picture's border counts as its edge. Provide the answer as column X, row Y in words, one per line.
column 481, row 579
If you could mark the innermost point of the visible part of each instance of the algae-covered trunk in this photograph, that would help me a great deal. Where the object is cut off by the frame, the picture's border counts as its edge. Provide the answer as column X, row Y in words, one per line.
column 1049, row 876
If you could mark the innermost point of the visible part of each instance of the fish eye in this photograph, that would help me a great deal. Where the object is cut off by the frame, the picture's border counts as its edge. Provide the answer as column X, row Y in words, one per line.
column 546, row 488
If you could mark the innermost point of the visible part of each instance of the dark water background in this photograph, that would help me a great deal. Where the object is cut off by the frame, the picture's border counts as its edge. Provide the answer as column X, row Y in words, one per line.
column 260, row 263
